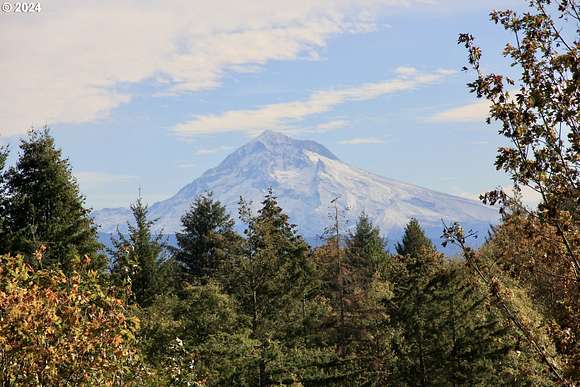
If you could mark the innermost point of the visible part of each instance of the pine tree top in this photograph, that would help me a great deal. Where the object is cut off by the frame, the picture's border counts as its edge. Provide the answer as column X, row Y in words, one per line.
column 414, row 240
column 45, row 205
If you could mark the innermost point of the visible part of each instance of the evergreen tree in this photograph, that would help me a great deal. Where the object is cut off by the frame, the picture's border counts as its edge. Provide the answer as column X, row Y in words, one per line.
column 195, row 336
column 356, row 325
column 207, row 235
column 414, row 241
column 449, row 335
column 412, row 271
column 366, row 248
column 3, row 158
column 269, row 279
column 364, row 266
column 137, row 256
column 363, row 255
column 45, row 207
column 3, row 201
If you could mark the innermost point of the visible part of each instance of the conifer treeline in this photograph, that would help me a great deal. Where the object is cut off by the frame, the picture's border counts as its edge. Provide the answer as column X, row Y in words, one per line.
column 263, row 308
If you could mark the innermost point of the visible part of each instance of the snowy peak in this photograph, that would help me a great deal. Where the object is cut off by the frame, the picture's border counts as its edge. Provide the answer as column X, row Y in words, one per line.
column 268, row 153
column 280, row 144
column 306, row 176
column 270, row 137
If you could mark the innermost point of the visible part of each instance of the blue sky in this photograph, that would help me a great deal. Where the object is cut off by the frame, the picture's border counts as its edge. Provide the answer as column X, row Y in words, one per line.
column 152, row 94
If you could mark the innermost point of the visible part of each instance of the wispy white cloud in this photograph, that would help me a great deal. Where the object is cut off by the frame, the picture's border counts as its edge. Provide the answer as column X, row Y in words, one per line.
column 406, row 71
column 473, row 112
column 362, row 141
column 284, row 116
column 323, row 127
column 71, row 63
column 331, row 125
column 211, row 151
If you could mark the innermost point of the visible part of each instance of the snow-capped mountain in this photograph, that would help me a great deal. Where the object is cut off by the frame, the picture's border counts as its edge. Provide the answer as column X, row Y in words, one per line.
column 306, row 176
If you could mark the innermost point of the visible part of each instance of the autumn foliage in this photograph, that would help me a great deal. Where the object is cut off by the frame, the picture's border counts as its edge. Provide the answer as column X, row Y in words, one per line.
column 58, row 329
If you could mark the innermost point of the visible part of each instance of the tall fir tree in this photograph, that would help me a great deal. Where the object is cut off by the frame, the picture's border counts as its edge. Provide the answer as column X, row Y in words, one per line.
column 353, row 291
column 365, row 248
column 207, row 235
column 137, row 256
column 367, row 291
column 3, row 201
column 45, row 207
column 414, row 241
column 3, row 157
column 349, row 274
column 449, row 335
column 268, row 279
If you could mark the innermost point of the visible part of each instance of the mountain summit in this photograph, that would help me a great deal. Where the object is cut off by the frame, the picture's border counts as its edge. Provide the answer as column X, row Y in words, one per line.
column 306, row 176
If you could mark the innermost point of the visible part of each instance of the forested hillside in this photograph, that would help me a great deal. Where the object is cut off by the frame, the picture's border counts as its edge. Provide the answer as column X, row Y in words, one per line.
column 263, row 308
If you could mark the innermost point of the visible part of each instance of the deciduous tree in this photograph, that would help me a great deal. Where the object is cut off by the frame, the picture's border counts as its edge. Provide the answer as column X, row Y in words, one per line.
column 538, row 111
column 63, row 329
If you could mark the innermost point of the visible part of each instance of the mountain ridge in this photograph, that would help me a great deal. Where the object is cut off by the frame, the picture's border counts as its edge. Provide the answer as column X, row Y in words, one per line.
column 305, row 176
